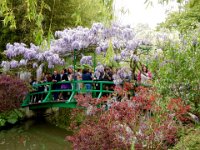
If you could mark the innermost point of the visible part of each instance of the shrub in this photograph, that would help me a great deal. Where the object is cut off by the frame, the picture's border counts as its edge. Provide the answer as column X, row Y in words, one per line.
column 12, row 92
column 176, row 70
column 139, row 122
column 11, row 117
column 190, row 141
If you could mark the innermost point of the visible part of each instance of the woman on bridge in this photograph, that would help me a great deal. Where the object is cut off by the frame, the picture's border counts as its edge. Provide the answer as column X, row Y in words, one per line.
column 144, row 76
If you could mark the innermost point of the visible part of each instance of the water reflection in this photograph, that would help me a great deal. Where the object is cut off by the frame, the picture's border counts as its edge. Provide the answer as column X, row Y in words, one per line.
column 34, row 135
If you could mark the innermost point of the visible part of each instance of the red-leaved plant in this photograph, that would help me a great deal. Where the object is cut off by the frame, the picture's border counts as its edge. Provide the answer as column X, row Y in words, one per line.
column 137, row 122
column 12, row 92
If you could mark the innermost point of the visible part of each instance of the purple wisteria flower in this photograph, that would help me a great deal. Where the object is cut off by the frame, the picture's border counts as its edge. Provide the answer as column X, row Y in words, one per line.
column 98, row 50
column 50, row 65
column 117, row 44
column 5, row 65
column 76, row 45
column 98, row 71
column 33, row 47
column 53, row 59
column 97, row 74
column 116, row 79
column 14, row 64
column 104, row 46
column 86, row 60
column 132, row 45
column 30, row 54
column 35, row 65
column 128, row 34
column 22, row 62
column 99, row 68
column 122, row 74
column 58, row 34
column 40, row 57
column 122, row 38
column 15, row 49
column 117, row 57
column 135, row 58
column 125, row 54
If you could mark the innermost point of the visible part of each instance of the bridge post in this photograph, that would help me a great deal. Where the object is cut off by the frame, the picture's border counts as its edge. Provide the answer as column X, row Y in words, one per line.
column 101, row 90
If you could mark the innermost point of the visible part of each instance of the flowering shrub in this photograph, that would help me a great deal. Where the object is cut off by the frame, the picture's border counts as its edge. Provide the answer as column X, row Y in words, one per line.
column 12, row 92
column 179, row 54
column 137, row 122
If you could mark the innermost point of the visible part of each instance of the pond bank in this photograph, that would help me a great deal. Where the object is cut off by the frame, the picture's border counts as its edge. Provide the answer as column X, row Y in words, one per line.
column 12, row 117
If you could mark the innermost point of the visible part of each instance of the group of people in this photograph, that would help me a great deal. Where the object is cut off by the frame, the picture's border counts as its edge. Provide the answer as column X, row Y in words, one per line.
column 81, row 74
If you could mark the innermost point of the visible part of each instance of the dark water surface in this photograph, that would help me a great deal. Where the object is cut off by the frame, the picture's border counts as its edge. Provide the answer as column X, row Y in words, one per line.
column 34, row 135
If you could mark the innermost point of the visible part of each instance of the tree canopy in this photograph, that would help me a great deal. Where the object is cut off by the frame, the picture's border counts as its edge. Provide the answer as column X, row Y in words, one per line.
column 186, row 19
column 34, row 20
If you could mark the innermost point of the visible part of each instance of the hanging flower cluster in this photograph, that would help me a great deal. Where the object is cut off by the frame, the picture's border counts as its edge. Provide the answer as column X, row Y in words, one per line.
column 98, row 71
column 20, row 50
column 86, row 60
column 122, row 39
column 122, row 75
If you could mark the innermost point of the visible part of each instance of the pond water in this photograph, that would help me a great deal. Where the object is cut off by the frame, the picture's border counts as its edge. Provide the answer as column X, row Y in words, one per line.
column 34, row 135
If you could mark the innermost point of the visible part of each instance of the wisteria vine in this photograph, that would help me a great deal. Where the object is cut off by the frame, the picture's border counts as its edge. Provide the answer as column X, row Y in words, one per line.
column 98, row 37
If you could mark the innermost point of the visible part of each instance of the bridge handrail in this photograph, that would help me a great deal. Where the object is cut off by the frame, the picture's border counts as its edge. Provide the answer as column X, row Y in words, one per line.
column 73, row 90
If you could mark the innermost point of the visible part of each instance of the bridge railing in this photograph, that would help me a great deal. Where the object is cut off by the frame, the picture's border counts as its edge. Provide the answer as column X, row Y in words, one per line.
column 44, row 91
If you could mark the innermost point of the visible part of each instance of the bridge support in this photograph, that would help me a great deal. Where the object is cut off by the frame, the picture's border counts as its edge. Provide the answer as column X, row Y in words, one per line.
column 29, row 113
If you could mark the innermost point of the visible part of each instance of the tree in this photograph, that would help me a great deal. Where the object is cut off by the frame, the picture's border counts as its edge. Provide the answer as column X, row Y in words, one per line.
column 34, row 20
column 186, row 19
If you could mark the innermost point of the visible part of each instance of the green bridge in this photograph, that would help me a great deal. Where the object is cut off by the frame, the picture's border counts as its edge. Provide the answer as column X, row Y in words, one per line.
column 48, row 101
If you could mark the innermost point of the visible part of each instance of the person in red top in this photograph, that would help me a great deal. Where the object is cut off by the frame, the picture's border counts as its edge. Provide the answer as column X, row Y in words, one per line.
column 144, row 76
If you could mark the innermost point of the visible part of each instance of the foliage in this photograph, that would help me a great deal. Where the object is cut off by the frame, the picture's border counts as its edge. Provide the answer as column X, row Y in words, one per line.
column 189, row 141
column 185, row 20
column 61, row 117
column 36, row 20
column 138, row 121
column 12, row 92
column 77, row 117
column 176, row 70
column 11, row 117
column 108, row 59
column 163, row 2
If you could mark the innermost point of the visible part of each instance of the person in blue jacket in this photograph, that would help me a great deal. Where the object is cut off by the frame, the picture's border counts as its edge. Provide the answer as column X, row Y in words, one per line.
column 87, row 76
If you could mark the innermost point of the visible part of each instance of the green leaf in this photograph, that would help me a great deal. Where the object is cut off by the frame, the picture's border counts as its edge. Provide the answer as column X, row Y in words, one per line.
column 133, row 145
column 109, row 55
column 2, row 122
column 12, row 118
column 19, row 113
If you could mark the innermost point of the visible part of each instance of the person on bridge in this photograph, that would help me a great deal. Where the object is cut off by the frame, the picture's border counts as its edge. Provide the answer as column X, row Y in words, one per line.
column 66, row 77
column 87, row 76
column 107, row 76
column 79, row 77
column 55, row 78
column 144, row 76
